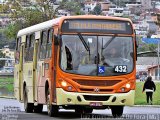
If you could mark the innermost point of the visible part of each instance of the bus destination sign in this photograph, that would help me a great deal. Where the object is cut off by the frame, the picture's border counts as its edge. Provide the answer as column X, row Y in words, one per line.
column 101, row 26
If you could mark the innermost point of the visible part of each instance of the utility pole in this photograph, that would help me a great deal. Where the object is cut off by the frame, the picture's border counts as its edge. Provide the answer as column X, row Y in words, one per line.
column 158, row 60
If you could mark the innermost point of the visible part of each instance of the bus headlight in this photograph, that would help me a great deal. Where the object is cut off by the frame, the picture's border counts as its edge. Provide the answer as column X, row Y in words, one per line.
column 66, row 86
column 125, row 88
column 64, row 83
column 128, row 85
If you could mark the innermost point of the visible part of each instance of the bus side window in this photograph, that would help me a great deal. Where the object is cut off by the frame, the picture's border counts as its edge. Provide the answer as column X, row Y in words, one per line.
column 43, row 45
column 26, row 52
column 17, row 54
column 49, row 43
column 31, row 46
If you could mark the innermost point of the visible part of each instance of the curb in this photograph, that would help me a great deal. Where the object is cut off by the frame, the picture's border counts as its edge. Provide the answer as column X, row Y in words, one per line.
column 158, row 106
column 7, row 97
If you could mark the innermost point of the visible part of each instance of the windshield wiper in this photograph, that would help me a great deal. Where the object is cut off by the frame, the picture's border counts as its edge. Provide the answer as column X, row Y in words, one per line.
column 111, row 39
column 106, row 45
column 84, row 42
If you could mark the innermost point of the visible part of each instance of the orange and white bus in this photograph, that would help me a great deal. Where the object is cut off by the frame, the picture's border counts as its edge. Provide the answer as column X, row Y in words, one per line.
column 76, row 62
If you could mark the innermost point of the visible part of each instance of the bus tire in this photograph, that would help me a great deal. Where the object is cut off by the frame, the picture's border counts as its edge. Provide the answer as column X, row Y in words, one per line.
column 83, row 110
column 28, row 107
column 88, row 110
column 117, row 111
column 51, row 109
column 79, row 110
column 38, row 108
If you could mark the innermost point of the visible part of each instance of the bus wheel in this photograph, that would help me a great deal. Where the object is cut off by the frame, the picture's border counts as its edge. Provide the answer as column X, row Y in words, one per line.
column 79, row 110
column 52, row 109
column 88, row 110
column 117, row 111
column 38, row 108
column 83, row 110
column 27, row 106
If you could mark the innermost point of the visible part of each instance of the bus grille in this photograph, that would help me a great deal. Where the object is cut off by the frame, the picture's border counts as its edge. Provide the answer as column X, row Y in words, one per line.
column 97, row 82
column 93, row 90
column 95, row 98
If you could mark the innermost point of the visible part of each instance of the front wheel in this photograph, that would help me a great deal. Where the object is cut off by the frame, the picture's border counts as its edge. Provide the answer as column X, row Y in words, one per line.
column 83, row 110
column 51, row 109
column 28, row 107
column 88, row 110
column 117, row 111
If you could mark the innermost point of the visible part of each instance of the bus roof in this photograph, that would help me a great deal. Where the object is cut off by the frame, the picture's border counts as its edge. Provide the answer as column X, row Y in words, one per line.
column 51, row 23
column 37, row 27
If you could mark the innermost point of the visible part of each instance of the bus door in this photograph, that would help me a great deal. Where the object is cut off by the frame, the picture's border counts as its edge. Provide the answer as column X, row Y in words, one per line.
column 54, row 63
column 35, row 73
column 48, row 65
column 21, row 70
column 17, row 69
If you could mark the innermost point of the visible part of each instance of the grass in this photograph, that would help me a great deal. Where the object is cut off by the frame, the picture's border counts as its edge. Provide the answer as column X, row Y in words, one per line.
column 7, row 83
column 140, row 98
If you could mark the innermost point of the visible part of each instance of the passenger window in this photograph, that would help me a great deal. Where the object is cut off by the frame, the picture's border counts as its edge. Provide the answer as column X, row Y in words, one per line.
column 29, row 47
column 17, row 54
column 49, row 44
column 43, row 45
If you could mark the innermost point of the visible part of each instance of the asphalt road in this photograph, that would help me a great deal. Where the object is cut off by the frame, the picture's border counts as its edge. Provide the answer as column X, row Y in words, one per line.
column 11, row 109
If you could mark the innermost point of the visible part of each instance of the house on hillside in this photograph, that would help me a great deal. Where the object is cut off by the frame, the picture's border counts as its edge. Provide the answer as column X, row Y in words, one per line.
column 153, row 71
column 144, row 65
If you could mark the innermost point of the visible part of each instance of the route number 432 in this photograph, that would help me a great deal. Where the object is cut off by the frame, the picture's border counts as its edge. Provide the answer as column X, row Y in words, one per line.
column 120, row 68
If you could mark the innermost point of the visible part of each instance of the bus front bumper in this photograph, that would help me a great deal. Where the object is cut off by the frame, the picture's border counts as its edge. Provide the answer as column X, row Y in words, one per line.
column 75, row 98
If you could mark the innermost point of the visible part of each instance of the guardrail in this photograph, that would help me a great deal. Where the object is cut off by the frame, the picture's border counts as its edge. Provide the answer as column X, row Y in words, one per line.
column 2, row 75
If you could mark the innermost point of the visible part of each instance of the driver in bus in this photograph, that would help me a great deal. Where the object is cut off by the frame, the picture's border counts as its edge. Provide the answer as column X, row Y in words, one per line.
column 106, row 59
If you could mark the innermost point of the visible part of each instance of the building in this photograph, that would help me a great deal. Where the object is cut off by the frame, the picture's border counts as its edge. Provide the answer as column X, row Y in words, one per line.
column 146, row 4
column 8, row 52
column 89, row 6
column 9, row 56
column 62, row 13
column 133, row 4
column 105, row 6
column 116, row 11
column 144, row 64
column 153, row 71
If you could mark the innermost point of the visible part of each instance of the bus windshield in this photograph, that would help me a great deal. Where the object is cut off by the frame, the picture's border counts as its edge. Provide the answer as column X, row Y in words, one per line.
column 96, row 55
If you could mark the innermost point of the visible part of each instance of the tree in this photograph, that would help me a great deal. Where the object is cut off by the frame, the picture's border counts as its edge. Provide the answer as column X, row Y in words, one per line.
column 26, row 13
column 150, row 33
column 152, row 47
column 74, row 7
column 2, row 62
column 97, row 10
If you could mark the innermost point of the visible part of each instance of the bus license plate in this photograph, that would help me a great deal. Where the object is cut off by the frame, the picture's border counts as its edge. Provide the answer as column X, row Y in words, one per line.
column 95, row 104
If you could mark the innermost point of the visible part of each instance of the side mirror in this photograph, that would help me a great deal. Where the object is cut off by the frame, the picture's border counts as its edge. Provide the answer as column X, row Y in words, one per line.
column 57, row 38
column 136, row 39
column 136, row 43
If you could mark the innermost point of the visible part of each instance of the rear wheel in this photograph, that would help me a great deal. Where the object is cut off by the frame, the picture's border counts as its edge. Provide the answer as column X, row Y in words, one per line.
column 38, row 108
column 52, row 109
column 117, row 111
column 27, row 106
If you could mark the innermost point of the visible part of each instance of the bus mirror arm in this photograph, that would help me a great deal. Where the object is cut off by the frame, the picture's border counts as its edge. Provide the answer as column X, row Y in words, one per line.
column 57, row 39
